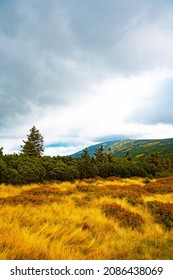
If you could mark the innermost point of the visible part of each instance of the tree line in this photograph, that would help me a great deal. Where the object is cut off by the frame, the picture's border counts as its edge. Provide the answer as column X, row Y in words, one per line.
column 31, row 166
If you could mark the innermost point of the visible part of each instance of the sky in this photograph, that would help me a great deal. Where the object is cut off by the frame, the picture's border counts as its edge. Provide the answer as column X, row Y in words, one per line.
column 85, row 72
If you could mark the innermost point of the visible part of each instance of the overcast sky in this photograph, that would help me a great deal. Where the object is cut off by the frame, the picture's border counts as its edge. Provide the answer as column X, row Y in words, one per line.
column 85, row 71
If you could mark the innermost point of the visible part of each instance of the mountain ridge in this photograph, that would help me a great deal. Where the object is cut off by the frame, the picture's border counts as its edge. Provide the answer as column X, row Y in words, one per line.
column 136, row 147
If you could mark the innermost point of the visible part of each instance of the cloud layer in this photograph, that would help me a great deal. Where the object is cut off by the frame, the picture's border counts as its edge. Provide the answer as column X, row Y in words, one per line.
column 85, row 70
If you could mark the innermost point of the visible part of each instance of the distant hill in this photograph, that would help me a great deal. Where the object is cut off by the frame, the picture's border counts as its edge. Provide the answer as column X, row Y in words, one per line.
column 136, row 148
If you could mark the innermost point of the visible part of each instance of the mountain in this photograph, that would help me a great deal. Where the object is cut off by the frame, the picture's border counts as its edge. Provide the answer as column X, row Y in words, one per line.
column 136, row 148
column 93, row 148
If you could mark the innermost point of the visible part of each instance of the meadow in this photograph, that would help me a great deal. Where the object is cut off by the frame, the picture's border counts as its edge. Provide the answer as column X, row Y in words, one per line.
column 91, row 219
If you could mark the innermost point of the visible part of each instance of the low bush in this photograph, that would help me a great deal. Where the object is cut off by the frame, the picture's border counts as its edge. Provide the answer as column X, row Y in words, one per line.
column 162, row 212
column 146, row 180
column 124, row 217
column 47, row 190
column 28, row 200
column 133, row 193
column 161, row 186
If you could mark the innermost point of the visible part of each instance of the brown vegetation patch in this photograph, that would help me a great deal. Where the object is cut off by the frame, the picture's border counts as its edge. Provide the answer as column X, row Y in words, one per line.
column 94, row 190
column 132, row 193
column 124, row 217
column 37, row 196
column 80, row 201
column 46, row 191
column 162, row 212
column 28, row 200
column 131, row 197
column 161, row 186
column 86, row 188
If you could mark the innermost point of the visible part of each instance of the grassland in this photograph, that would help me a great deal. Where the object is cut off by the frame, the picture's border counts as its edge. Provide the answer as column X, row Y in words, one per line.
column 92, row 219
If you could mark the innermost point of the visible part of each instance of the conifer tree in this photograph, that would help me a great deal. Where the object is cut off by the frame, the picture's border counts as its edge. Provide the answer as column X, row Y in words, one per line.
column 86, row 156
column 87, row 167
column 1, row 151
column 99, row 154
column 33, row 146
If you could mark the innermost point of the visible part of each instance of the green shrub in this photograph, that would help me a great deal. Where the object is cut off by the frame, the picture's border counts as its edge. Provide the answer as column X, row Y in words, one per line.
column 146, row 180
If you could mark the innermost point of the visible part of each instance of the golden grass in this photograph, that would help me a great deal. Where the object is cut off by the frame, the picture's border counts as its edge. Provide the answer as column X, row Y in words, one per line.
column 69, row 221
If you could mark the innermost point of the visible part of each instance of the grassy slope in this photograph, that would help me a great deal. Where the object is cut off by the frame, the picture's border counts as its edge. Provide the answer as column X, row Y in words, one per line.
column 135, row 147
column 140, row 147
column 89, row 219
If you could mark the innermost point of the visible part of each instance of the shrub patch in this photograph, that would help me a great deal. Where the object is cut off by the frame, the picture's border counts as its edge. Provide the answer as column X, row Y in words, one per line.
column 162, row 212
column 124, row 217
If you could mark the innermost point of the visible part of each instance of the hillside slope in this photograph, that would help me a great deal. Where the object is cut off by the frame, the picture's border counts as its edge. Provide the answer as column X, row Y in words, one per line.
column 136, row 148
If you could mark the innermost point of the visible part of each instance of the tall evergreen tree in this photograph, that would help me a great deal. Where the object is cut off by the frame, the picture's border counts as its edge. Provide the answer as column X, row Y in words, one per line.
column 86, row 166
column 33, row 146
column 99, row 154
column 86, row 156
column 1, row 151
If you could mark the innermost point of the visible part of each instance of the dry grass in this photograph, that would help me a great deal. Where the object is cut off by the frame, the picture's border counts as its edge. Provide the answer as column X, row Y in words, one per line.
column 90, row 219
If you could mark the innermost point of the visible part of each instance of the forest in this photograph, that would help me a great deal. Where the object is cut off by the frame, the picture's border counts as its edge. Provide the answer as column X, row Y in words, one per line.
column 31, row 166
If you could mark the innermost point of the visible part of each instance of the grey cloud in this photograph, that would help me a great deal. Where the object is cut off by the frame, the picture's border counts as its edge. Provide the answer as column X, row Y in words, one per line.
column 31, row 72
column 50, row 51
column 115, row 34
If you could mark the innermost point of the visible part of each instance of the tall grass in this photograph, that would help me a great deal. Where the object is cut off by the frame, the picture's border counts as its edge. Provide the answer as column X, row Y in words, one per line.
column 89, row 219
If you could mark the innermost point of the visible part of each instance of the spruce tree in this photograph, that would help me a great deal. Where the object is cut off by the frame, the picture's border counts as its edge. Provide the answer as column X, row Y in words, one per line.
column 1, row 151
column 87, row 167
column 33, row 146
column 99, row 154
column 86, row 156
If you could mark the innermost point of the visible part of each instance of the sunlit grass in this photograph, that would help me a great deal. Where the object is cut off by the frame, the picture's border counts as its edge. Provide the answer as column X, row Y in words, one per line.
column 165, row 198
column 10, row 190
column 69, row 221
